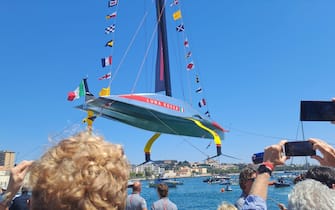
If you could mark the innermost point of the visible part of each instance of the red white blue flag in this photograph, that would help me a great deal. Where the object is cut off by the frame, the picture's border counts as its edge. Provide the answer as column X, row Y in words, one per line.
column 106, row 61
column 202, row 102
column 112, row 3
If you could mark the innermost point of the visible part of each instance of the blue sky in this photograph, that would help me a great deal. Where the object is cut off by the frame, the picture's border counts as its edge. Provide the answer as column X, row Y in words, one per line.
column 258, row 60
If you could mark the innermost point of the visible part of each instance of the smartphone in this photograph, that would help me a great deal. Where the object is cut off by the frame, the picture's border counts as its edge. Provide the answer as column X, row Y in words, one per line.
column 299, row 148
column 317, row 111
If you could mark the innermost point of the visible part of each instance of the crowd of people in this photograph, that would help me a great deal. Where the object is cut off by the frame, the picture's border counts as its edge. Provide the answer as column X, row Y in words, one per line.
column 80, row 172
column 315, row 190
column 87, row 172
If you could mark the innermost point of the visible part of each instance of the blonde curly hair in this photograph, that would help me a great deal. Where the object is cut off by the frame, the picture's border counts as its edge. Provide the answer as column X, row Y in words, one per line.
column 82, row 172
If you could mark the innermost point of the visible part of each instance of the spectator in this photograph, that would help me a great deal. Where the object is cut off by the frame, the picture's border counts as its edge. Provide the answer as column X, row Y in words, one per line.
column 164, row 202
column 16, row 178
column 323, row 174
column 135, row 201
column 21, row 202
column 83, row 172
column 311, row 194
column 272, row 157
column 246, row 178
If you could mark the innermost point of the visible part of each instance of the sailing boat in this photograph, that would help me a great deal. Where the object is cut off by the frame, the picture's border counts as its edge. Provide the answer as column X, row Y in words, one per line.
column 157, row 112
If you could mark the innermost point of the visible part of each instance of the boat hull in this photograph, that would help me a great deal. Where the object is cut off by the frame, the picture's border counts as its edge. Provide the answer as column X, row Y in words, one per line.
column 153, row 112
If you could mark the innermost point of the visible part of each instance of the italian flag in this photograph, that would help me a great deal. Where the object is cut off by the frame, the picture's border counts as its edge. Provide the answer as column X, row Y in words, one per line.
column 77, row 93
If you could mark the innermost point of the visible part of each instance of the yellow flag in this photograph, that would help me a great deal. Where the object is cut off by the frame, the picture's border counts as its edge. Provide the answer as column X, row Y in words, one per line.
column 105, row 91
column 177, row 15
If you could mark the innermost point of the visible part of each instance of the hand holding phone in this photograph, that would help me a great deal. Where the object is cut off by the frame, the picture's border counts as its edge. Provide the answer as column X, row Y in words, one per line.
column 299, row 148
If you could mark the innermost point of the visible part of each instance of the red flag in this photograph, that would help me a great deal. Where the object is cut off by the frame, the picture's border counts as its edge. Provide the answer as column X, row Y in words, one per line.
column 190, row 66
column 186, row 43
column 113, row 15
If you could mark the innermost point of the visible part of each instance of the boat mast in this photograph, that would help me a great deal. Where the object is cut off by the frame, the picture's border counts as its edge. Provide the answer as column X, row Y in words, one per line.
column 162, row 66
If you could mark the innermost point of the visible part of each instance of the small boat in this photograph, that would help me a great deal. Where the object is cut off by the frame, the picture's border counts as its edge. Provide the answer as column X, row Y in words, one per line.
column 282, row 183
column 228, row 187
column 178, row 182
column 225, row 181
column 217, row 179
column 168, row 182
column 278, row 184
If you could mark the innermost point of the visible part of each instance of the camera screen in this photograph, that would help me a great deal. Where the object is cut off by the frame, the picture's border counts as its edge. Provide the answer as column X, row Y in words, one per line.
column 299, row 148
column 317, row 111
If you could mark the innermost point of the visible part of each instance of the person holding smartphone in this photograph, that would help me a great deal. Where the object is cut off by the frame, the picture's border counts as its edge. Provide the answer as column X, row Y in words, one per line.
column 272, row 157
column 326, row 150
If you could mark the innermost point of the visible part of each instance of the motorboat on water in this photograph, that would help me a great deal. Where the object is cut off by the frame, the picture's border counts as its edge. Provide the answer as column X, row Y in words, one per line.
column 167, row 181
column 217, row 179
column 281, row 182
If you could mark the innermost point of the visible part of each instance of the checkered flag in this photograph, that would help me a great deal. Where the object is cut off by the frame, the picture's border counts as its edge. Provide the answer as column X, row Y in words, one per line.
column 110, row 29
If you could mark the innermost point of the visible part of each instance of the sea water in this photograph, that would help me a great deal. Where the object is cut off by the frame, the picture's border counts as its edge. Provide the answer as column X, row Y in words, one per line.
column 196, row 194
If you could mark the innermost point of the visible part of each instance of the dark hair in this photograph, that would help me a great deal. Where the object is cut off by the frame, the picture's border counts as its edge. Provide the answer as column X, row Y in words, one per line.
column 162, row 190
column 323, row 174
column 24, row 189
column 245, row 175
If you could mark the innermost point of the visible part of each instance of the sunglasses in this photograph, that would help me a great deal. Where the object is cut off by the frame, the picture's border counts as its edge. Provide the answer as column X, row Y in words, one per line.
column 251, row 179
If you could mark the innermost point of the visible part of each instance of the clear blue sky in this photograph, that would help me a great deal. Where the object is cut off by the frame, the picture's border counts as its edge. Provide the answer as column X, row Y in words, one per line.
column 258, row 60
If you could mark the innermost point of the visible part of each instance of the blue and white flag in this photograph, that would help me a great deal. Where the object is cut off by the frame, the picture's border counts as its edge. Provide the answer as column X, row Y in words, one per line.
column 110, row 29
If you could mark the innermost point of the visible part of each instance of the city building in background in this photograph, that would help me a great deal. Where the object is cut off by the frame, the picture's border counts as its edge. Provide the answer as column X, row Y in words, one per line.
column 7, row 160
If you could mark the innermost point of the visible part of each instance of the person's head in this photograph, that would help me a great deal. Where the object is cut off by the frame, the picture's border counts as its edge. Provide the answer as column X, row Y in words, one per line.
column 246, row 178
column 24, row 189
column 311, row 194
column 323, row 174
column 137, row 187
column 163, row 190
column 80, row 172
column 226, row 206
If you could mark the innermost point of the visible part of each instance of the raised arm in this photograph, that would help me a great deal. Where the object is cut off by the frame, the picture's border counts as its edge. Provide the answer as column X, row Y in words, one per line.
column 17, row 175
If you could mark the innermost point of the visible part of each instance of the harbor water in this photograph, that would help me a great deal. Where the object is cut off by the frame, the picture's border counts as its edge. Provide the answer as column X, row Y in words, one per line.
column 196, row 194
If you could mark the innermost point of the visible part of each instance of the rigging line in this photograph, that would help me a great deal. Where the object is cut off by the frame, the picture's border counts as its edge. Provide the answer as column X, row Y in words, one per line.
column 303, row 137
column 113, row 37
column 195, row 70
column 302, row 130
column 187, row 94
column 148, row 48
column 297, row 132
column 128, row 48
column 177, row 134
